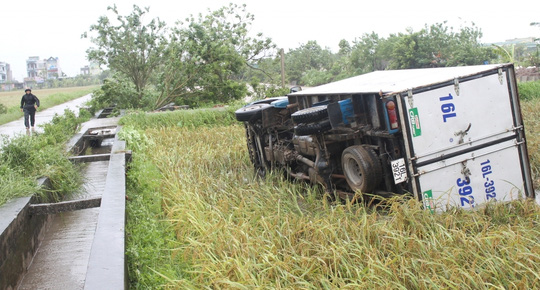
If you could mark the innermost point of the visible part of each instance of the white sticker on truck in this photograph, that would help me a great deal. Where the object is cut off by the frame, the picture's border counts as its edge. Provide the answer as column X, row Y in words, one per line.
column 399, row 170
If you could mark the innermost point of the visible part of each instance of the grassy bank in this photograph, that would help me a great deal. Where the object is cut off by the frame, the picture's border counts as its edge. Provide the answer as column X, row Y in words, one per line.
column 47, row 97
column 24, row 159
column 198, row 218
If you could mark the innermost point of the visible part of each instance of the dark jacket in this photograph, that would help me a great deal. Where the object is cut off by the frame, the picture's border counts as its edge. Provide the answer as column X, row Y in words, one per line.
column 28, row 101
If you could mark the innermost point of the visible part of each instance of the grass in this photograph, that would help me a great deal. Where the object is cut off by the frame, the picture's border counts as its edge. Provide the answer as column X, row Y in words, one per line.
column 531, row 119
column 198, row 218
column 47, row 97
column 187, row 118
column 26, row 158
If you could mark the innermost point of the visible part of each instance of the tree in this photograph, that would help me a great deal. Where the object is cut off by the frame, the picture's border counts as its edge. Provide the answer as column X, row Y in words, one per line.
column 438, row 45
column 366, row 54
column 208, row 54
column 308, row 57
column 131, row 48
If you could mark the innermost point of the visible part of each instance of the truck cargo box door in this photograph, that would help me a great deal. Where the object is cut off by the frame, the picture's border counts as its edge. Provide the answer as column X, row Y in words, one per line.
column 456, row 117
column 467, row 180
column 465, row 141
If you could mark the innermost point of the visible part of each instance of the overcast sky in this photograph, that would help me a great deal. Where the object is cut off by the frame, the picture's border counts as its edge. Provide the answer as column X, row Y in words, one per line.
column 53, row 28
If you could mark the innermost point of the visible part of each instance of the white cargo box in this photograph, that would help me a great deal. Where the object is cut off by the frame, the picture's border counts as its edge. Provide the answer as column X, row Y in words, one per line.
column 462, row 129
column 466, row 139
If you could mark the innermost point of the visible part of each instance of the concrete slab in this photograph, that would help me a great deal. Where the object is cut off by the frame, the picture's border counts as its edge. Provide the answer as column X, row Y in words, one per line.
column 107, row 265
column 61, row 261
column 62, row 258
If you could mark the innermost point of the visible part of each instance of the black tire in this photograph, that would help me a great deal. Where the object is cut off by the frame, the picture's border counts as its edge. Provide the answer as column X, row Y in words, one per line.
column 254, row 152
column 362, row 168
column 305, row 129
column 310, row 115
column 251, row 112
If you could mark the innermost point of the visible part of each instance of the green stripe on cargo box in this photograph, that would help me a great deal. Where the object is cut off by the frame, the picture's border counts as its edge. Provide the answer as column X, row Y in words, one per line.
column 415, row 122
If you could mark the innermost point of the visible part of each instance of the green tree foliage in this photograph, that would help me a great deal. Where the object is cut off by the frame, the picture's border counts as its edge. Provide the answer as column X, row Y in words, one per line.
column 307, row 63
column 208, row 54
column 213, row 58
column 367, row 54
column 436, row 46
column 131, row 47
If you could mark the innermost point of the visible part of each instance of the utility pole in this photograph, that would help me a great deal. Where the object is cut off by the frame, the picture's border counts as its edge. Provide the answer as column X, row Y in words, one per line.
column 282, row 68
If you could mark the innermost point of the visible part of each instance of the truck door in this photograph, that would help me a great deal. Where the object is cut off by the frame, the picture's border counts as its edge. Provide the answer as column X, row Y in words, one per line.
column 466, row 141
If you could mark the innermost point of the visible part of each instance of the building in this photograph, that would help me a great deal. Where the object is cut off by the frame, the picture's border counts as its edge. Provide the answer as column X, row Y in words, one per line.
column 6, row 79
column 42, row 69
column 92, row 69
column 35, row 68
column 5, row 73
column 53, row 68
column 85, row 70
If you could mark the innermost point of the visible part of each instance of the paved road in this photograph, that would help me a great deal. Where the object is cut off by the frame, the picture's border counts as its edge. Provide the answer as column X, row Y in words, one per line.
column 17, row 127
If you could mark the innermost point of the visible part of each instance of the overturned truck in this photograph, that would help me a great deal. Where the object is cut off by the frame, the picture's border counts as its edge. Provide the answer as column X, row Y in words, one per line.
column 450, row 136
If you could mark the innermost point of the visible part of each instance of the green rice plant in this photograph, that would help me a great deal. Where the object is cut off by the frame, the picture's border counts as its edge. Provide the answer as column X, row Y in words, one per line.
column 226, row 228
column 150, row 236
column 183, row 118
column 531, row 119
column 529, row 91
column 14, row 184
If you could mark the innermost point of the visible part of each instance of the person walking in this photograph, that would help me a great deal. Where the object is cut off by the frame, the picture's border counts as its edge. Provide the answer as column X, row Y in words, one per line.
column 29, row 105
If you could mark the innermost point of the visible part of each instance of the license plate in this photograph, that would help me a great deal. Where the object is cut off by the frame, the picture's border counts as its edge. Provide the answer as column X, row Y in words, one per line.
column 399, row 170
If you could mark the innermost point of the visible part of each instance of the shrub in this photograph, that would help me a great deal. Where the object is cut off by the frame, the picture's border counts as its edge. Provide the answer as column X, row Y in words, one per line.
column 529, row 90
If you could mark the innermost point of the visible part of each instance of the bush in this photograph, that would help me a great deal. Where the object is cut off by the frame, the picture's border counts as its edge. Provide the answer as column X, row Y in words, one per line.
column 115, row 92
column 3, row 109
column 529, row 90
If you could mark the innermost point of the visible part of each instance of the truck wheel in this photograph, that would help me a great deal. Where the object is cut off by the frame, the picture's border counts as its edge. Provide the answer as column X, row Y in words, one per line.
column 310, row 114
column 362, row 168
column 258, row 161
column 305, row 129
column 251, row 112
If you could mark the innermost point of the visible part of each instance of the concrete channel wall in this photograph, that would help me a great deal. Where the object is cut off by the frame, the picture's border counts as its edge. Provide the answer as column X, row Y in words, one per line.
column 21, row 232
column 20, row 236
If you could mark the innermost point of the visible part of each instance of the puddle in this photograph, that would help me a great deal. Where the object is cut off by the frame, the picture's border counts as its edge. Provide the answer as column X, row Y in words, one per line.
column 104, row 147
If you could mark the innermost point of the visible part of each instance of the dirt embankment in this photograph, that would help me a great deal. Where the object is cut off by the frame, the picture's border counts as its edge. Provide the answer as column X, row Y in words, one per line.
column 527, row 74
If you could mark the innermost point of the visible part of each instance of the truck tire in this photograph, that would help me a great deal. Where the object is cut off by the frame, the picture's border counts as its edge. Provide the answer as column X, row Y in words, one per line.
column 362, row 168
column 309, row 115
column 251, row 112
column 305, row 129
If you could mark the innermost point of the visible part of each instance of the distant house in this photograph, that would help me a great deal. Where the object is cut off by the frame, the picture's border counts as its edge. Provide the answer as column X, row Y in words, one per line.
column 43, row 69
column 53, row 68
column 39, row 70
column 6, row 80
column 35, row 67
column 92, row 69
column 85, row 70
column 5, row 73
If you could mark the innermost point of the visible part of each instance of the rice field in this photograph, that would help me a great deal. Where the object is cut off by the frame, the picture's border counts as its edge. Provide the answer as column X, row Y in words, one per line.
column 198, row 218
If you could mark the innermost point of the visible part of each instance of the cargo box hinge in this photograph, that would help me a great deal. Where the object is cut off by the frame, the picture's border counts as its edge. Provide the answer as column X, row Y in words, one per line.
column 500, row 72
column 410, row 99
column 456, row 86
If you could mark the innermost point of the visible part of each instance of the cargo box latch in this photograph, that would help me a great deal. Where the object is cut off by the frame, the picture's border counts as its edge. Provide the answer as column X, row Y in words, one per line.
column 500, row 72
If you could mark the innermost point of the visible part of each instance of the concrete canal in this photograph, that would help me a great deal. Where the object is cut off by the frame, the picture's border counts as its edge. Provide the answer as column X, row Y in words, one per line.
column 77, row 243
